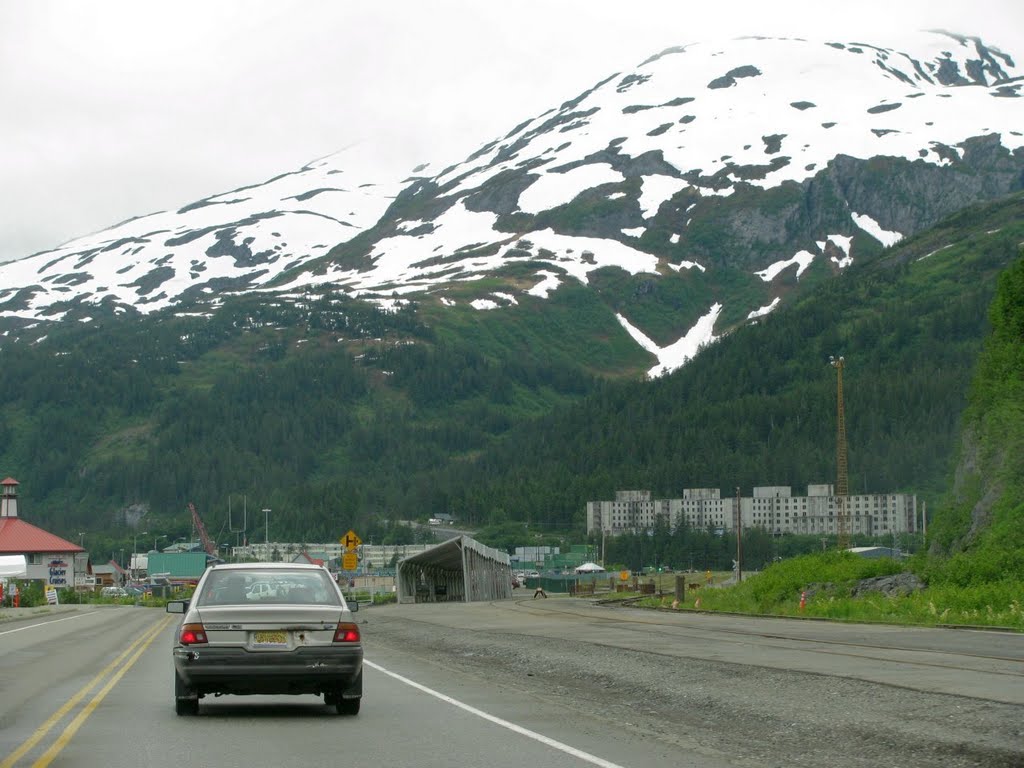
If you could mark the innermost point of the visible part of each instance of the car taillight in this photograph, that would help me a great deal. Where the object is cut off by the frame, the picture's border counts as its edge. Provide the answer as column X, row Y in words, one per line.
column 192, row 634
column 346, row 633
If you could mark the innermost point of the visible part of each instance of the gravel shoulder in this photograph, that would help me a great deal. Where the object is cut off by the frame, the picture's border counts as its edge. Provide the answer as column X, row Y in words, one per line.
column 748, row 714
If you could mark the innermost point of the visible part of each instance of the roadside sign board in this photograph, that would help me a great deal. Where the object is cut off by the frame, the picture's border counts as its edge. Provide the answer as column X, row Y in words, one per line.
column 349, row 561
column 623, row 575
column 351, row 541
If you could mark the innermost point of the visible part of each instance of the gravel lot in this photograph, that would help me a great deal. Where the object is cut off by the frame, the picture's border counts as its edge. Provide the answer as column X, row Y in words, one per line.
column 750, row 715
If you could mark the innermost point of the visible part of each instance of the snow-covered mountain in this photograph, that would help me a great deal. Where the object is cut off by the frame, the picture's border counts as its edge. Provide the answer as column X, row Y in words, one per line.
column 758, row 157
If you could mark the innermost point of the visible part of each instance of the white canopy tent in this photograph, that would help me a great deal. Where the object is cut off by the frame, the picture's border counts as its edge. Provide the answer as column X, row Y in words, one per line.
column 13, row 567
column 589, row 568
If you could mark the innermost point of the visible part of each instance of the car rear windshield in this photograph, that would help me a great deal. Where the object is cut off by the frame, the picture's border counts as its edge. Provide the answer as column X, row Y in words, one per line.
column 276, row 586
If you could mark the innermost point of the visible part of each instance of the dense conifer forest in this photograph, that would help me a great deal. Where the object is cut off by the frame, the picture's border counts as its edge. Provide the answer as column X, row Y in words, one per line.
column 336, row 414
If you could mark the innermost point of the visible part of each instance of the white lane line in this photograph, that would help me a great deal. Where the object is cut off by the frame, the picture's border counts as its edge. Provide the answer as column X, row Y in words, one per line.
column 585, row 756
column 47, row 623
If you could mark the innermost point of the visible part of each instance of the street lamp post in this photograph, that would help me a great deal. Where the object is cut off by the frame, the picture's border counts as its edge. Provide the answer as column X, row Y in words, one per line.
column 266, row 528
column 157, row 538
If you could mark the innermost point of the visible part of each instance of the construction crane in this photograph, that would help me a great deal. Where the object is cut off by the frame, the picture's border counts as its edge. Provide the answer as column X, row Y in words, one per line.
column 842, row 477
column 208, row 545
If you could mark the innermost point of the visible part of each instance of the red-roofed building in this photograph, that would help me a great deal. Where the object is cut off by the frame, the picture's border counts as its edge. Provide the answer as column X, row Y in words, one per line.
column 305, row 557
column 50, row 558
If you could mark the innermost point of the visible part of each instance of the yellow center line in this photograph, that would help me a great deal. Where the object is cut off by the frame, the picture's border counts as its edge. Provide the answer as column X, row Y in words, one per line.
column 81, row 717
column 56, row 717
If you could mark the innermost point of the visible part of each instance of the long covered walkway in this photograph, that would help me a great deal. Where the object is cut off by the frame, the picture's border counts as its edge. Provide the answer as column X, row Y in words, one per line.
column 460, row 569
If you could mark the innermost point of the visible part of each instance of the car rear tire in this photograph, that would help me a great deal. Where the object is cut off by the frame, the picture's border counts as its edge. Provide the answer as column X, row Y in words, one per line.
column 186, row 701
column 348, row 706
column 186, row 707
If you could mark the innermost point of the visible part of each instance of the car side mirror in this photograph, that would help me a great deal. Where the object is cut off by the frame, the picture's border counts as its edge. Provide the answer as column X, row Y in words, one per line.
column 177, row 606
column 353, row 606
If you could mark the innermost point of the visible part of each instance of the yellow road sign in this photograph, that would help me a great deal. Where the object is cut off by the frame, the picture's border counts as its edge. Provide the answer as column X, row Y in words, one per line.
column 349, row 561
column 624, row 575
column 351, row 541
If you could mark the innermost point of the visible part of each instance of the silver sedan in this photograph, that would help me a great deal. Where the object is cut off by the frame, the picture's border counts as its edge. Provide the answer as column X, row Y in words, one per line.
column 295, row 636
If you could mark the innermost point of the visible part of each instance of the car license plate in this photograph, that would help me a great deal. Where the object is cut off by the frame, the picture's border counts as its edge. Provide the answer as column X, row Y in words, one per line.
column 265, row 638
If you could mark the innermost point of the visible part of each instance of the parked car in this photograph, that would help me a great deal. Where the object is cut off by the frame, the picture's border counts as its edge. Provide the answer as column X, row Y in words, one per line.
column 304, row 640
column 114, row 592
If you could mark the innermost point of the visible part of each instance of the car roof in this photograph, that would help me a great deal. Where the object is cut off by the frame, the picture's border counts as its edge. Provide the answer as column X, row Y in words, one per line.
column 266, row 566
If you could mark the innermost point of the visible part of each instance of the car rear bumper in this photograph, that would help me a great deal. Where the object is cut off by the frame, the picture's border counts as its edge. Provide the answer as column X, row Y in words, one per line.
column 334, row 669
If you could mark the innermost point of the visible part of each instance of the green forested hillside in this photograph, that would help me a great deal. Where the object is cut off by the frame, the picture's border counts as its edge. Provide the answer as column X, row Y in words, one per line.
column 335, row 414
column 978, row 536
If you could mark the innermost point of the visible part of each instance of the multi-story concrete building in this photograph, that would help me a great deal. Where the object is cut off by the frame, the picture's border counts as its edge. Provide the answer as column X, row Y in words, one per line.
column 772, row 508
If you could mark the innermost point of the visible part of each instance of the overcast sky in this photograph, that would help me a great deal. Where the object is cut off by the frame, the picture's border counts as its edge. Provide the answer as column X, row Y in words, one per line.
column 116, row 108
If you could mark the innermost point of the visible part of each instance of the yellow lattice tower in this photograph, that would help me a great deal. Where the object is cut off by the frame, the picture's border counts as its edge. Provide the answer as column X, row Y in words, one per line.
column 842, row 478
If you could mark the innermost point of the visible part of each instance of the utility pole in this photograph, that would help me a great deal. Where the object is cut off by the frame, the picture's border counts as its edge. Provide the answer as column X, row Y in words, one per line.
column 739, row 537
column 135, row 554
column 842, row 477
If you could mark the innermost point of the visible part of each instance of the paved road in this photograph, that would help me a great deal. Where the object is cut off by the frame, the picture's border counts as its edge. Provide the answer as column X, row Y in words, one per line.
column 558, row 683
column 91, row 688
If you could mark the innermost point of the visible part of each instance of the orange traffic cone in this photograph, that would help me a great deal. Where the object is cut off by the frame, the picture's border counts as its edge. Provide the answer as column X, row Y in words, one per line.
column 696, row 603
column 803, row 600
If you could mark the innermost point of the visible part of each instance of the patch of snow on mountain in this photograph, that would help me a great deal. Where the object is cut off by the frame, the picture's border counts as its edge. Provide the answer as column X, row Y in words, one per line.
column 764, row 310
column 676, row 355
column 874, row 229
column 483, row 304
column 655, row 190
column 407, row 226
column 634, row 232
column 550, row 282
column 842, row 242
column 927, row 255
column 687, row 265
column 552, row 189
column 579, row 256
column 390, row 305
column 404, row 258
column 674, row 239
column 802, row 259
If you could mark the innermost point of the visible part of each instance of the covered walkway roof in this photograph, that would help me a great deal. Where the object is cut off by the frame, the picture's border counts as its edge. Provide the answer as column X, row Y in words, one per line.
column 460, row 569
